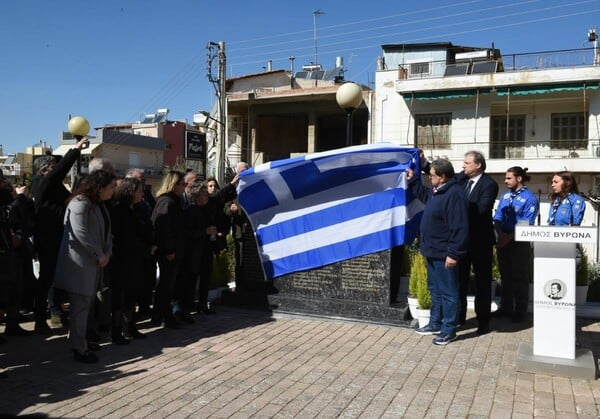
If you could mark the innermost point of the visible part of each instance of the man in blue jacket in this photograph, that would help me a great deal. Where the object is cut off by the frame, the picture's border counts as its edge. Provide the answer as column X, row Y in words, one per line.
column 443, row 241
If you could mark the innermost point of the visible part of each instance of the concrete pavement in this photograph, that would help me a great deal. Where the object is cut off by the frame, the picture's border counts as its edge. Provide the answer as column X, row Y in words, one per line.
column 259, row 364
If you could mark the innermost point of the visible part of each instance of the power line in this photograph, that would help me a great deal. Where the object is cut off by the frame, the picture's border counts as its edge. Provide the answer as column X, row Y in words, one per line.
column 191, row 70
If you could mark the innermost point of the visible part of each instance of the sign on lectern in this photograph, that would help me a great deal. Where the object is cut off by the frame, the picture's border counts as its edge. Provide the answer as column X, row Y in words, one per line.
column 554, row 305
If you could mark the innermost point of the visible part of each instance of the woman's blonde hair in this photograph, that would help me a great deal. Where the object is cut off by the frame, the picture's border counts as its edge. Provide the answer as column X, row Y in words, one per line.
column 169, row 180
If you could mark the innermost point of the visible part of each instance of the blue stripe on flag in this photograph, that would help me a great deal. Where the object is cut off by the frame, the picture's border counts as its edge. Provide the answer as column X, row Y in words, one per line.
column 302, row 180
column 359, row 246
column 258, row 189
column 356, row 208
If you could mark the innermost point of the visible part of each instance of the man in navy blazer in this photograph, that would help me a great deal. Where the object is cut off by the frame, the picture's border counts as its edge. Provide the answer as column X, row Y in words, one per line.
column 481, row 191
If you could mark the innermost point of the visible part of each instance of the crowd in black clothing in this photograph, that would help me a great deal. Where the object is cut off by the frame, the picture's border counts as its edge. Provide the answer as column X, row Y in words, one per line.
column 99, row 247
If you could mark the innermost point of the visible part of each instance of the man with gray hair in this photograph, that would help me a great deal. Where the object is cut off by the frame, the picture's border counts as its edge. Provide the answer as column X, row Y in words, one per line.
column 100, row 163
column 481, row 191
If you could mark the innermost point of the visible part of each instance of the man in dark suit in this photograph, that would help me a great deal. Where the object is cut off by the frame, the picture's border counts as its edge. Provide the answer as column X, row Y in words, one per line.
column 481, row 191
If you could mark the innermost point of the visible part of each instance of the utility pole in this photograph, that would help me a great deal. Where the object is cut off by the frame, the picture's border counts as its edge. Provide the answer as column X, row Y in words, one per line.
column 222, row 113
column 219, row 84
column 316, row 13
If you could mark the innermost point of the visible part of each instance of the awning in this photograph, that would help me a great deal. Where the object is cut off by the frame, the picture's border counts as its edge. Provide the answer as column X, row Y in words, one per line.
column 62, row 150
column 448, row 94
column 544, row 89
column 502, row 91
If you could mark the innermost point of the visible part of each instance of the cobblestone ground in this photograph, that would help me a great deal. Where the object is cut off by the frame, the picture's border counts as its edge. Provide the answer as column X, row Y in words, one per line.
column 256, row 364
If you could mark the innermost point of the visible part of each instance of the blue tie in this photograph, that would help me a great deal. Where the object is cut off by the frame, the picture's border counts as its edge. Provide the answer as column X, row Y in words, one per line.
column 469, row 186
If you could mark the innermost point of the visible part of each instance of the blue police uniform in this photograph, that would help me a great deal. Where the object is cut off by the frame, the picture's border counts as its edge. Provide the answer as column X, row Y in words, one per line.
column 516, row 206
column 567, row 211
column 513, row 258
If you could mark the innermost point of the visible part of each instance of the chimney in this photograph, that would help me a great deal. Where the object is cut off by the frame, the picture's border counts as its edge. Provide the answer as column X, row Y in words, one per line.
column 270, row 65
column 339, row 62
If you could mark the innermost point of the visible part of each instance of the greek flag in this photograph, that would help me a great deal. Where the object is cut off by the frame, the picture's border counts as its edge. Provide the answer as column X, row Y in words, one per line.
column 322, row 208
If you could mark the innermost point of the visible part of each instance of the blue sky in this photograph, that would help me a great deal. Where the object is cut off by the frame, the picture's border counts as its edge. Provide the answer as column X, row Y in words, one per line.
column 113, row 61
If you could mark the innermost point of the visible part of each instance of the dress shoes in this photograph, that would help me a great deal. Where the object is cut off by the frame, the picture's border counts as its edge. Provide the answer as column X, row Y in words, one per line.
column 483, row 329
column 518, row 317
column 136, row 334
column 502, row 313
column 172, row 323
column 17, row 331
column 92, row 336
column 42, row 328
column 93, row 347
column 119, row 339
column 206, row 310
column 184, row 317
column 86, row 357
column 156, row 319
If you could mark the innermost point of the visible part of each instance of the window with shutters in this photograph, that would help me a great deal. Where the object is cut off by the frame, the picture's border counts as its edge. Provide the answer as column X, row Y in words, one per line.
column 433, row 130
column 569, row 130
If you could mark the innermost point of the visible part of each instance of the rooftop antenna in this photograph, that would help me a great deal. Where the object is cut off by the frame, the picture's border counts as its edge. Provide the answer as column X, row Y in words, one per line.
column 316, row 13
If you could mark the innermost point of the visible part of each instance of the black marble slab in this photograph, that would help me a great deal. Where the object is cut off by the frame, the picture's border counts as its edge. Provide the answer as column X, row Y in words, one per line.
column 357, row 289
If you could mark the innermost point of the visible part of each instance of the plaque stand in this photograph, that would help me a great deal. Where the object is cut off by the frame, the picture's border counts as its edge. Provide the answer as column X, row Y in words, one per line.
column 554, row 350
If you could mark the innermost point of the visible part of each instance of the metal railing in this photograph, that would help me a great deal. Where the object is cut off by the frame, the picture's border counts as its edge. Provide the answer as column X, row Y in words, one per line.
column 550, row 59
column 510, row 149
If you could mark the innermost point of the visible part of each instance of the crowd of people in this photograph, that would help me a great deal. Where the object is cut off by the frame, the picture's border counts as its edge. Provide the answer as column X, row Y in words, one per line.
column 110, row 251
column 102, row 245
column 459, row 230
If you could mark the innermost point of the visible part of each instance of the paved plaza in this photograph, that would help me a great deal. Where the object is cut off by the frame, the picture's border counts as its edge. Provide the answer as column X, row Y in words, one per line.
column 260, row 364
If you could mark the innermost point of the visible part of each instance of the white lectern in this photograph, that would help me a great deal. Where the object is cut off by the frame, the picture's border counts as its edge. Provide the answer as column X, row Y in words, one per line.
column 554, row 306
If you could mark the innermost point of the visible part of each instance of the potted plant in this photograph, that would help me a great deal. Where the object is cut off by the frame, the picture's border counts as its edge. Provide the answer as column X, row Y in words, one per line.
column 594, row 282
column 582, row 276
column 221, row 272
column 418, row 288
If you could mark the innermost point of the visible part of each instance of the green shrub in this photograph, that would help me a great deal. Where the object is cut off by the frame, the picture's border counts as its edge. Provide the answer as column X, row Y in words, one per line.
column 582, row 274
column 222, row 267
column 594, row 282
column 418, row 281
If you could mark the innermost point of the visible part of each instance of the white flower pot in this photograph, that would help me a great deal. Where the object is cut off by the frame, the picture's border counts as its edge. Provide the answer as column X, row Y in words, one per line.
column 423, row 316
column 413, row 303
column 581, row 294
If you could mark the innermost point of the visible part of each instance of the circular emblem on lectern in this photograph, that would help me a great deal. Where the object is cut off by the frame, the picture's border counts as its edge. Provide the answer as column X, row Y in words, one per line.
column 555, row 289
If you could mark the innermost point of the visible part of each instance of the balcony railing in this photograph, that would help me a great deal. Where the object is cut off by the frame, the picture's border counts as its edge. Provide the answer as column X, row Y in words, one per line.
column 567, row 58
column 511, row 150
column 550, row 59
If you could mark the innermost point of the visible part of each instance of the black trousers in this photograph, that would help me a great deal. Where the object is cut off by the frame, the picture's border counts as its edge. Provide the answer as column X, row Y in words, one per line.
column 47, row 255
column 513, row 261
column 165, row 287
column 481, row 259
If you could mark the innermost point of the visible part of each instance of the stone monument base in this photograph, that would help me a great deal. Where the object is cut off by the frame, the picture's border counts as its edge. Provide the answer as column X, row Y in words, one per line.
column 583, row 366
column 394, row 315
column 363, row 289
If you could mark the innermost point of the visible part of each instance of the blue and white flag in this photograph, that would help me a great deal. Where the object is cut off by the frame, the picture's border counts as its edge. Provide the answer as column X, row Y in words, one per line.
column 322, row 208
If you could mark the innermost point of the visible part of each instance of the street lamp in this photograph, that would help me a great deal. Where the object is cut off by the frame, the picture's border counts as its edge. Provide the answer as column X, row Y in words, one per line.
column 79, row 127
column 349, row 96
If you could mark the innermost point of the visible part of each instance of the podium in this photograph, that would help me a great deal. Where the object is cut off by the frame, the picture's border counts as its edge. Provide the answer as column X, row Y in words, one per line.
column 554, row 349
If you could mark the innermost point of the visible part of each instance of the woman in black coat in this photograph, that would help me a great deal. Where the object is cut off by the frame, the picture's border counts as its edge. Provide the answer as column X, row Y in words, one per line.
column 130, row 247
column 169, row 231
column 199, row 227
